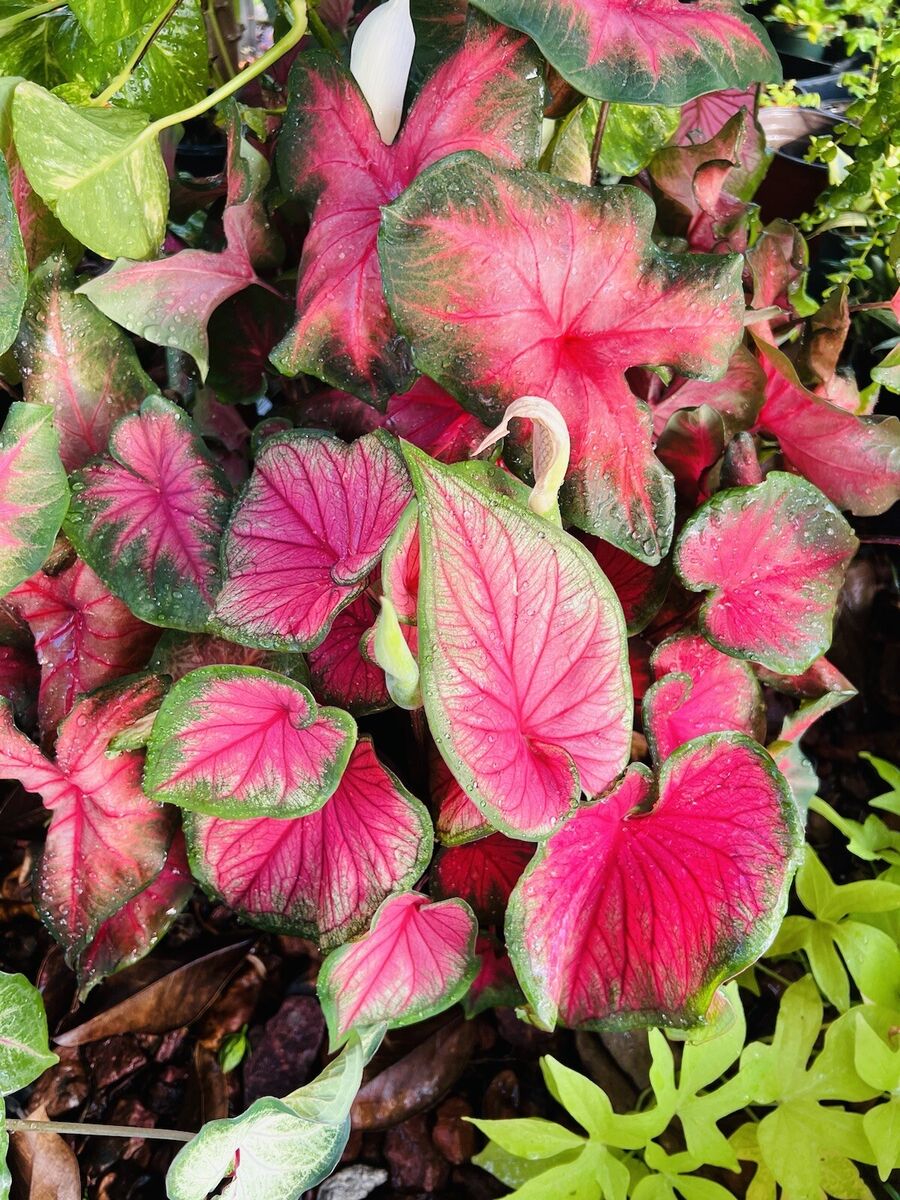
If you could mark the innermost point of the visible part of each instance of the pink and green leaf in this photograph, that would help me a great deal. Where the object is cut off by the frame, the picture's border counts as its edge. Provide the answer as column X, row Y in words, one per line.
column 704, row 116
column 20, row 679
column 304, row 536
column 817, row 681
column 483, row 873
column 417, row 959
column 74, row 359
column 522, row 653
column 430, row 418
column 243, row 742
column 486, row 96
column 106, row 841
column 458, row 819
column 737, row 396
column 339, row 672
column 495, row 985
column 459, row 251
column 322, row 875
column 772, row 558
column 177, row 653
column 84, row 637
column 149, row 517
column 645, row 51
column 34, row 494
column 691, row 445
column 640, row 588
column 670, row 889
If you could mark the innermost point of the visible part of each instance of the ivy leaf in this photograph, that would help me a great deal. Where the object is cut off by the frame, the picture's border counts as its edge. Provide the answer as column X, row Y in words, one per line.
column 24, row 1050
column 100, row 170
column 645, row 51
column 632, row 135
column 34, row 494
column 889, row 774
column 606, row 299
column 74, row 359
column 105, row 22
column 29, row 49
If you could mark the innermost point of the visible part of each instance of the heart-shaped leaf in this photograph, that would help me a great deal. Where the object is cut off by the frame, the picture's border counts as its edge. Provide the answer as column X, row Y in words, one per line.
column 339, row 671
column 483, row 873
column 24, row 1051
column 34, row 494
column 106, row 841
column 699, row 690
column 83, row 635
column 331, row 157
column 417, row 959
column 243, row 742
column 645, row 51
column 458, row 819
column 664, row 898
column 432, row 419
column 310, row 526
column 177, row 654
column 704, row 116
column 605, row 299
column 737, row 397
column 773, row 558
column 149, row 518
column 527, row 708
column 495, row 985
column 73, row 358
column 323, row 875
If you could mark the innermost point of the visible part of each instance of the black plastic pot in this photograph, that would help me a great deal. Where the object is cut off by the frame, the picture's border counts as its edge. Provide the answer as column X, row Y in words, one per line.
column 792, row 185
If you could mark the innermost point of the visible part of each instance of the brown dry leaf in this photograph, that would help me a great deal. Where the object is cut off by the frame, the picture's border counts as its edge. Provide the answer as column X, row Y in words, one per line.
column 417, row 1080
column 45, row 1164
column 154, row 996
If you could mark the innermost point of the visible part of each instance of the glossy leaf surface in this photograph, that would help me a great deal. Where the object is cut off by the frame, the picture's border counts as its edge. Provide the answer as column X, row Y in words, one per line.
column 339, row 671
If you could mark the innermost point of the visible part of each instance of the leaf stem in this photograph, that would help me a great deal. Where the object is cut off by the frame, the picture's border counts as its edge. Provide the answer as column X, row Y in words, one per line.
column 320, row 31
column 77, row 1128
column 222, row 49
column 597, row 144
column 119, row 81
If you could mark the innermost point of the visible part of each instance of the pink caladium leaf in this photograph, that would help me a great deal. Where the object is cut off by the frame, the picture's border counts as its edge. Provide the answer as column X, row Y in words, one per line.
column 417, row 959
column 339, row 672
column 84, row 637
column 243, row 742
column 176, row 654
column 430, row 418
column 486, row 96
column 640, row 588
column 645, row 51
column 106, row 841
column 854, row 460
column 458, row 820
column 309, row 528
column 605, row 299
column 34, row 494
column 74, row 359
column 670, row 889
column 773, row 559
column 134, row 929
column 149, row 517
column 704, row 116
column 323, row 875
column 700, row 690
column 495, row 985
column 401, row 564
column 242, row 332
column 819, row 680
column 691, row 446
column 737, row 396
column 526, row 688
column 483, row 873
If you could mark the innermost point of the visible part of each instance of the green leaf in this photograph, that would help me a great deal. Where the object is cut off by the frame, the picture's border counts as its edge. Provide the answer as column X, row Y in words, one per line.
column 531, row 1137
column 28, row 49
column 235, row 1046
column 330, row 1095
column 882, row 1128
column 871, row 840
column 590, row 1107
column 34, row 492
column 887, row 372
column 13, row 266
column 111, row 20
column 24, row 1050
column 890, row 801
column 515, row 1171
column 632, row 135
column 99, row 170
column 5, row 1177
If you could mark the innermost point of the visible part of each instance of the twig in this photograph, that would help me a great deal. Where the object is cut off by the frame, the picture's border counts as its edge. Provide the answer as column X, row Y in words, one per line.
column 77, row 1128
column 598, row 138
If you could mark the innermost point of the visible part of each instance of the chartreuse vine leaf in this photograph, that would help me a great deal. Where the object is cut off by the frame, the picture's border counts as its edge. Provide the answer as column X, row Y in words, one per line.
column 24, row 1050
column 605, row 299
column 99, row 170
column 889, row 774
column 322, row 875
column 837, row 939
column 244, row 742
column 878, row 1064
column 671, row 888
column 417, row 959
column 773, row 558
column 149, row 517
column 34, row 494
column 106, row 841
column 486, row 96
column 309, row 527
column 13, row 265
column 645, row 51
column 522, row 652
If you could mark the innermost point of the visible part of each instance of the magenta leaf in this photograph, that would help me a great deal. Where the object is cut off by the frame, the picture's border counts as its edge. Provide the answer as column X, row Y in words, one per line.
column 820, row 679
column 495, row 985
column 400, row 565
column 242, row 332
column 704, row 116
column 310, row 526
column 522, row 654
column 645, row 51
column 417, row 959
column 322, row 875
column 484, row 97
column 106, row 841
column 483, row 873
column 20, row 678
column 737, row 396
column 854, row 460
column 773, row 559
column 458, row 252
column 73, row 358
column 691, row 445
column 243, row 742
column 34, row 494
column 700, row 690
column 134, row 929
column 670, row 889
column 178, row 653
column 459, row 820
column 339, row 672
column 83, row 635
column 640, row 588
column 149, row 517
column 432, row 419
